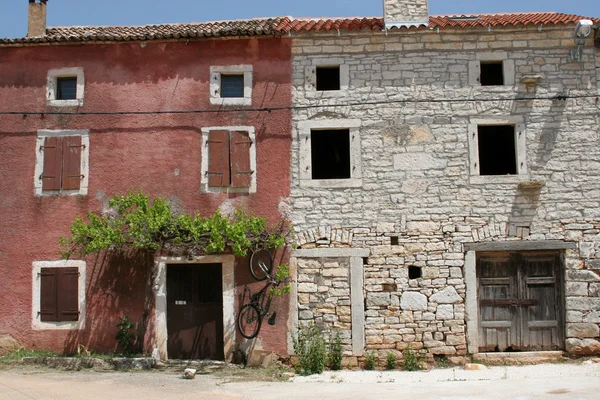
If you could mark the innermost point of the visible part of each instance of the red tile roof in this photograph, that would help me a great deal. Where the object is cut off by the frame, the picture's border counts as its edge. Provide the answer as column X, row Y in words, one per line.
column 281, row 26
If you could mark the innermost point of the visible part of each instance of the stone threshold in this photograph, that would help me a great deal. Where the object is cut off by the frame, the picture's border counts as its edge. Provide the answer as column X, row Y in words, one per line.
column 520, row 358
column 103, row 364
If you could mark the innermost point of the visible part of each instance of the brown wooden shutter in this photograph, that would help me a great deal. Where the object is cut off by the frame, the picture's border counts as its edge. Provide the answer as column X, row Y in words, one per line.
column 218, row 159
column 71, row 170
column 68, row 294
column 241, row 173
column 48, row 295
column 53, row 147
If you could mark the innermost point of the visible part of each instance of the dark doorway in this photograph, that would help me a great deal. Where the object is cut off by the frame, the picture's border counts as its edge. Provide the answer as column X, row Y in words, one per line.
column 520, row 302
column 195, row 312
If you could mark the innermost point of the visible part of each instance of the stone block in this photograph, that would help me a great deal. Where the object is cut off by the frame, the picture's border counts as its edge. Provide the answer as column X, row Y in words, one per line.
column 7, row 344
column 582, row 330
column 444, row 312
column 446, row 296
column 189, row 373
column 378, row 299
column 335, row 272
column 577, row 289
column 422, row 227
column 413, row 301
column 443, row 350
column 583, row 347
column 475, row 367
column 307, row 288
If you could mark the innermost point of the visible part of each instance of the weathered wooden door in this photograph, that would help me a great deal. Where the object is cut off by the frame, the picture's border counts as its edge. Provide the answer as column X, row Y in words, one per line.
column 195, row 312
column 520, row 301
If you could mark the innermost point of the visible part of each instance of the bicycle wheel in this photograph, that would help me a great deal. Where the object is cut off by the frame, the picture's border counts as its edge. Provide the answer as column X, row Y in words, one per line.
column 261, row 264
column 249, row 321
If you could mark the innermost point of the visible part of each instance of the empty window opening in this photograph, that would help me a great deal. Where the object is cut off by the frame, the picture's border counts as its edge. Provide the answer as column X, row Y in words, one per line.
column 328, row 78
column 492, row 73
column 365, row 260
column 66, row 88
column 497, row 151
column 330, row 151
column 395, row 241
column 389, row 287
column 415, row 272
column 232, row 85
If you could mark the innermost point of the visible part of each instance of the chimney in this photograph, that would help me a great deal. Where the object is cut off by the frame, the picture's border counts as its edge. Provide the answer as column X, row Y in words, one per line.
column 405, row 13
column 36, row 22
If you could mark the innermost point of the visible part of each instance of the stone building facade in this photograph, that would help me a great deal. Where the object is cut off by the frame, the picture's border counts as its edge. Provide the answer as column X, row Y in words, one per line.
column 394, row 250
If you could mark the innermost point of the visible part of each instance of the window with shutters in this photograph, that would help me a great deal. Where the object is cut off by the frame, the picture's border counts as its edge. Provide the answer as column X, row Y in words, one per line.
column 231, row 85
column 65, row 87
column 58, row 294
column 229, row 159
column 62, row 164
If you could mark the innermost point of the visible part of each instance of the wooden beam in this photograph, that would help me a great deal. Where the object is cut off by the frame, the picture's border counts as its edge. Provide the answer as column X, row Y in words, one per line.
column 521, row 245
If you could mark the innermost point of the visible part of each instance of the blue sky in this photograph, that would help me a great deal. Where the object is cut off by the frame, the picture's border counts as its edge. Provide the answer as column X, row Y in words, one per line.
column 13, row 13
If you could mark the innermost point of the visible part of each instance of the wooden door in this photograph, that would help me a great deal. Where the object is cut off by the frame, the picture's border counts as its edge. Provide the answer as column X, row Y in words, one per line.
column 195, row 312
column 520, row 302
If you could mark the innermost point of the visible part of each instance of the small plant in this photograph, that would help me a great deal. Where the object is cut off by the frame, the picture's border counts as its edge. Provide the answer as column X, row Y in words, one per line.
column 390, row 361
column 411, row 360
column 125, row 337
column 83, row 351
column 441, row 361
column 370, row 360
column 334, row 355
column 311, row 350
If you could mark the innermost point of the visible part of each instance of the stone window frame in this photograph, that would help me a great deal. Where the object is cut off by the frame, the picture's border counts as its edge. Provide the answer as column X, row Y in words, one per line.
column 84, row 168
column 36, row 285
column 52, row 86
column 215, row 85
column 522, row 174
column 204, row 188
column 508, row 66
column 305, row 129
column 311, row 78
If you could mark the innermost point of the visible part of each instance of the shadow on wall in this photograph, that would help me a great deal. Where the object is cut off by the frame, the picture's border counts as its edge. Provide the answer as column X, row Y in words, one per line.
column 117, row 285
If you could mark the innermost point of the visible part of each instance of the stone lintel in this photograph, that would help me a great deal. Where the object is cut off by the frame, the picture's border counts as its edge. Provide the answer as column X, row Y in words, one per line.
column 521, row 245
column 331, row 252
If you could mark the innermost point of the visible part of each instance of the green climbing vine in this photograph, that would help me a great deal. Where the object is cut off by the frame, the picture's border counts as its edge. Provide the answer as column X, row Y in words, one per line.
column 139, row 224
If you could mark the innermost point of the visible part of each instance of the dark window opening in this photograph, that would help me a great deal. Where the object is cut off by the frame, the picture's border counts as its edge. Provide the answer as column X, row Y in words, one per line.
column 328, row 78
column 415, row 272
column 492, row 73
column 232, row 85
column 66, row 89
column 330, row 151
column 497, row 152
column 365, row 260
column 395, row 241
column 389, row 287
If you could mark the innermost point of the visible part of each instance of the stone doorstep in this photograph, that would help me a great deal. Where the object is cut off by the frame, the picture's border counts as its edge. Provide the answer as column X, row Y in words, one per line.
column 518, row 358
column 78, row 363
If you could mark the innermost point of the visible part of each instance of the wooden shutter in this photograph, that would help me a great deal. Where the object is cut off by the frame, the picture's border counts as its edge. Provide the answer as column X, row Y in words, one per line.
column 48, row 278
column 53, row 147
column 68, row 294
column 71, row 170
column 241, row 173
column 218, row 159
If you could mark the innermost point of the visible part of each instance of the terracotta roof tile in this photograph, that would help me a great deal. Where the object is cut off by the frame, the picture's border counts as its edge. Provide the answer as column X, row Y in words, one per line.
column 280, row 26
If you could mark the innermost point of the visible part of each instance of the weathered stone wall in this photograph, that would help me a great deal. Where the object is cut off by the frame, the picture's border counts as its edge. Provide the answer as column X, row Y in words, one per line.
column 324, row 296
column 415, row 98
column 405, row 10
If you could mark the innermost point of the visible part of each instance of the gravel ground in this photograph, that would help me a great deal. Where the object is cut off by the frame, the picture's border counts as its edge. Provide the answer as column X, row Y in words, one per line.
column 550, row 381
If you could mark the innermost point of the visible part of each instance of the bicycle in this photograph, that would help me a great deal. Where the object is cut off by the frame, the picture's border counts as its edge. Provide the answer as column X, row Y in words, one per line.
column 251, row 314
